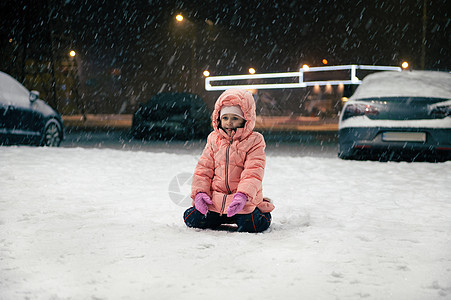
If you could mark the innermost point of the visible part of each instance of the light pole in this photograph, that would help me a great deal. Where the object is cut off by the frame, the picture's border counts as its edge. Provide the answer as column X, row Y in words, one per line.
column 180, row 18
column 423, row 39
column 75, row 68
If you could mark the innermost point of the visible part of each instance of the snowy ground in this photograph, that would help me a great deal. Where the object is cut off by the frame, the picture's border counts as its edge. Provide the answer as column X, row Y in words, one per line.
column 100, row 224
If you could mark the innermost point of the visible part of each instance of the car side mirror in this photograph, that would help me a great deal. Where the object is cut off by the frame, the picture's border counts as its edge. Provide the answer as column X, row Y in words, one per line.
column 34, row 95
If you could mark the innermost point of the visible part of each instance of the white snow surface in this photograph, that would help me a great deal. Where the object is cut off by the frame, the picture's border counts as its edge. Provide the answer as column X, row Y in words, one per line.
column 100, row 224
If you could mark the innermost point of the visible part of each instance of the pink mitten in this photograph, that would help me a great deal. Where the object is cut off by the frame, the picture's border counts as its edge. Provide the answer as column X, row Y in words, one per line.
column 200, row 202
column 239, row 200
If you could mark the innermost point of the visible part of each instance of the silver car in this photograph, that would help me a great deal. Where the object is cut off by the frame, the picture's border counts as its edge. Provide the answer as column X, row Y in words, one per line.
column 398, row 116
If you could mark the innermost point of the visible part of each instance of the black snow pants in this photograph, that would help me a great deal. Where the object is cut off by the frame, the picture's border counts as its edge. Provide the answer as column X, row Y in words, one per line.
column 253, row 222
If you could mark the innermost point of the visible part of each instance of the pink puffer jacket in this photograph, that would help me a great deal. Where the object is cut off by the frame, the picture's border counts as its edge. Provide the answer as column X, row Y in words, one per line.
column 233, row 164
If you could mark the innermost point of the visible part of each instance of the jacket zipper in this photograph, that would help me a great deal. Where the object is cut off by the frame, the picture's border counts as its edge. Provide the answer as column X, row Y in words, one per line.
column 226, row 177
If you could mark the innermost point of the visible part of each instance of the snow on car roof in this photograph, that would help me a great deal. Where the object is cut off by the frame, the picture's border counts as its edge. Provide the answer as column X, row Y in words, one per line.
column 10, row 86
column 405, row 84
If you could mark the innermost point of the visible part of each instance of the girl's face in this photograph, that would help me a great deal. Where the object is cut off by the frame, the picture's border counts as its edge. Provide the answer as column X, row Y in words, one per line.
column 230, row 122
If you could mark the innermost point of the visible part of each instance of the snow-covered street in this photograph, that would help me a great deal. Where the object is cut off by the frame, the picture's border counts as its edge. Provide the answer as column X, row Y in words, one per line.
column 103, row 224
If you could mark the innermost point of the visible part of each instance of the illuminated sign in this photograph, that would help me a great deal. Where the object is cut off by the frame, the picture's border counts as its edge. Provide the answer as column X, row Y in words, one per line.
column 291, row 79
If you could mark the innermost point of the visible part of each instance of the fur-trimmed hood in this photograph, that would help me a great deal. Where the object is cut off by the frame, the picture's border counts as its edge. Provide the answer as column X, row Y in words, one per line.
column 246, row 101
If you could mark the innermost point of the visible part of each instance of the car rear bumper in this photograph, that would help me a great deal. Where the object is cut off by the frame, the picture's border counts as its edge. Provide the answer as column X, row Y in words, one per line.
column 403, row 143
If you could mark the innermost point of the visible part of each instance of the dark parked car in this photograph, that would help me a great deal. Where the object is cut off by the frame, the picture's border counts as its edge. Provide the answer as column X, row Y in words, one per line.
column 169, row 116
column 398, row 116
column 26, row 119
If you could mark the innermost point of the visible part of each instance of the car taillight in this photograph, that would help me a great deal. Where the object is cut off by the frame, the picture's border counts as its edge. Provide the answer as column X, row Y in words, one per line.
column 354, row 110
column 440, row 112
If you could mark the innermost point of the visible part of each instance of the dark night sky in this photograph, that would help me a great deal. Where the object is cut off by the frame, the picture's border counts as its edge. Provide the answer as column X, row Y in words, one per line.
column 370, row 32
column 141, row 37
column 283, row 33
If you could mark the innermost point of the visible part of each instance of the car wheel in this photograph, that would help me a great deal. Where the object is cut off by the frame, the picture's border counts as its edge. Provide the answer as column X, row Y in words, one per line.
column 52, row 135
column 344, row 152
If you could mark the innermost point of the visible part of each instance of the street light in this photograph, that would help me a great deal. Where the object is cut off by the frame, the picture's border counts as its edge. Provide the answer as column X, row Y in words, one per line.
column 180, row 18
column 75, row 69
column 252, row 71
column 206, row 73
column 405, row 65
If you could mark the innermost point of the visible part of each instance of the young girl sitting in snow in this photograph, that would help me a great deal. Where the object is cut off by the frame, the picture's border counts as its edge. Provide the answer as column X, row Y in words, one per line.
column 227, row 181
